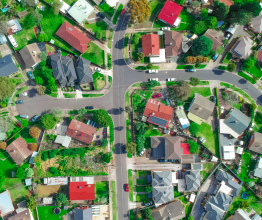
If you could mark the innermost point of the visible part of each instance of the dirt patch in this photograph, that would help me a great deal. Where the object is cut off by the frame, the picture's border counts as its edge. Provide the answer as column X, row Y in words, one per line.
column 46, row 191
column 49, row 163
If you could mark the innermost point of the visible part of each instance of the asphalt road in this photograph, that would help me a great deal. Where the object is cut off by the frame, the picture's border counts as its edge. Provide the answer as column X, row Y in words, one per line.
column 114, row 103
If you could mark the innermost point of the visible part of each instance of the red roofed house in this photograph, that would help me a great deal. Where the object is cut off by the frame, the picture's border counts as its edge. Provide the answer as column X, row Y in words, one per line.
column 170, row 12
column 158, row 113
column 73, row 37
column 81, row 191
column 227, row 2
column 150, row 45
column 259, row 55
column 19, row 150
column 81, row 131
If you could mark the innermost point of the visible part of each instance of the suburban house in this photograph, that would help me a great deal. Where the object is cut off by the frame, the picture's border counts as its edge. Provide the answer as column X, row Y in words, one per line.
column 163, row 190
column 216, row 38
column 240, row 214
column 191, row 181
column 82, row 188
column 84, row 71
column 227, row 2
column 30, row 54
column 235, row 123
column 157, row 113
column 52, row 181
column 200, row 109
column 242, row 48
column 7, row 66
column 80, row 11
column 215, row 205
column 25, row 215
column 169, row 14
column 15, row 26
column 3, row 39
column 63, row 69
column 6, row 204
column 256, row 24
column 171, row 211
column 18, row 150
column 150, row 45
column 81, row 131
column 258, row 168
column 181, row 115
column 255, row 144
column 173, row 43
column 72, row 36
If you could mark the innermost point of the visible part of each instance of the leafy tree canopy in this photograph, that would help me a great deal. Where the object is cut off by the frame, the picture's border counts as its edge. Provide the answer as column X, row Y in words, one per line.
column 61, row 198
column 210, row 22
column 194, row 128
column 231, row 67
column 47, row 122
column 194, row 81
column 6, row 87
column 31, row 202
column 199, row 27
column 220, row 10
column 102, row 118
column 181, row 91
column 29, row 172
column 139, row 10
column 202, row 46
column 193, row 147
column 131, row 147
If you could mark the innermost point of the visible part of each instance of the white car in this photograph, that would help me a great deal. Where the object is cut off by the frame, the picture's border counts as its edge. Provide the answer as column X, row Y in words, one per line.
column 23, row 94
column 142, row 152
column 153, row 71
column 222, row 109
column 165, row 28
column 168, row 79
column 96, row 69
column 153, row 79
column 173, row 79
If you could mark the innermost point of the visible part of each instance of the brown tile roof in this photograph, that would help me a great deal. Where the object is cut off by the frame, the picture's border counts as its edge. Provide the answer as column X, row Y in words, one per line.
column 30, row 54
column 227, row 2
column 215, row 37
column 259, row 55
column 173, row 43
column 81, row 131
column 25, row 215
column 22, row 14
column 19, row 150
column 150, row 44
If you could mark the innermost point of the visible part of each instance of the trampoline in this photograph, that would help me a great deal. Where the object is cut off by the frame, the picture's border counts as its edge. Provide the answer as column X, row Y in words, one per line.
column 245, row 195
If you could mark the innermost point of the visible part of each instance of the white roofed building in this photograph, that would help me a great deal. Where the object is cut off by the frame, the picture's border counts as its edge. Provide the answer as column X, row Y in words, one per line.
column 51, row 181
column 229, row 152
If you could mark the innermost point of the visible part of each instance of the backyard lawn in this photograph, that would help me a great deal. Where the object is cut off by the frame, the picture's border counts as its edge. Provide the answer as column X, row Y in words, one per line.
column 26, row 136
column 227, row 58
column 204, row 91
column 141, row 181
column 258, row 120
column 46, row 213
column 187, row 21
column 207, row 167
column 140, row 188
column 142, row 197
column 17, row 189
column 101, row 191
column 130, row 182
column 95, row 54
column 98, row 80
column 98, row 26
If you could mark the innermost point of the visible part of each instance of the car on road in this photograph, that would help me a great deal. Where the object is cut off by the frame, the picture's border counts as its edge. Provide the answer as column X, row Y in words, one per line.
column 101, row 15
column 123, row 11
column 152, row 71
column 148, row 203
column 23, row 94
column 215, row 56
column 222, row 109
column 165, row 28
column 171, row 79
column 142, row 152
column 89, row 107
column 126, row 187
column 20, row 102
column 23, row 116
column 191, row 70
column 30, row 75
column 214, row 99
column 124, row 149
column 35, row 118
column 97, row 69
column 153, row 79
column 162, row 160
column 156, row 96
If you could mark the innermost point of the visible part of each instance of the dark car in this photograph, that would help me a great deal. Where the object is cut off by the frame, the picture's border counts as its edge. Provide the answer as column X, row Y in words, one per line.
column 162, row 160
column 30, row 75
column 34, row 118
column 20, row 102
column 89, row 107
column 173, row 161
column 214, row 99
column 101, row 15
column 148, row 203
column 124, row 149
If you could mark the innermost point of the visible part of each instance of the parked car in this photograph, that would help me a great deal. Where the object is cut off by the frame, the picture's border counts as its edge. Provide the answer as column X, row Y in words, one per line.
column 97, row 69
column 101, row 15
column 222, row 109
column 153, row 79
column 168, row 79
column 34, row 118
column 30, row 75
column 148, row 203
column 214, row 99
column 172, row 161
column 228, row 36
column 126, row 187
column 162, row 160
column 142, row 152
column 89, row 107
column 156, row 96
column 123, row 11
column 124, row 149
column 215, row 56
column 191, row 70
column 20, row 102
column 152, row 71
column 251, row 126
column 165, row 28
column 23, row 94
column 23, row 116
column 202, row 140
column 173, row 79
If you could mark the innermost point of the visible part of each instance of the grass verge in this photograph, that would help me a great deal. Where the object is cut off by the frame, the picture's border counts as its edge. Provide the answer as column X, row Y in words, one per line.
column 117, row 13
column 130, row 182
column 114, row 199
column 247, row 77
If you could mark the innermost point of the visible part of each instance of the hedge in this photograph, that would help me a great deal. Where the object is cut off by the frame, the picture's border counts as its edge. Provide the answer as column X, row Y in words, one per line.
column 217, row 97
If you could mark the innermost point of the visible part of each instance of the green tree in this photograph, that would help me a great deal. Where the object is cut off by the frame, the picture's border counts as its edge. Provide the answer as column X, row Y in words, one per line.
column 149, row 189
column 248, row 63
column 56, row 5
column 253, row 7
column 199, row 27
column 41, row 90
column 29, row 21
column 24, row 123
column 102, row 118
column 231, row 67
column 204, row 12
column 201, row 46
column 220, row 11
column 47, row 122
column 4, row 25
column 38, row 17
column 29, row 172
column 2, row 179
column 149, row 66
column 31, row 202
column 210, row 22
column 6, row 87
column 107, row 157
column 104, row 142
column 43, row 55
column 61, row 199
column 39, row 80
column 136, row 38
column 140, row 56
column 146, row 213
column 194, row 128
column 193, row 147
column 20, row 173
column 98, row 34
column 57, row 112
column 180, row 92
column 37, row 159
column 180, row 2
column 6, row 125
column 81, row 111
column 131, row 148
column 245, row 204
column 241, row 18
column 194, row 81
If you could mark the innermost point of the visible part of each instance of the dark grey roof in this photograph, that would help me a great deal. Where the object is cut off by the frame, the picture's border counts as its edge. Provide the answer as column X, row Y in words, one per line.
column 41, row 46
column 63, row 69
column 173, row 211
column 7, row 66
column 237, row 121
column 80, row 214
column 256, row 146
column 201, row 107
column 159, row 121
column 221, row 175
column 163, row 195
column 162, row 178
column 84, row 72
column 193, row 180
column 225, row 140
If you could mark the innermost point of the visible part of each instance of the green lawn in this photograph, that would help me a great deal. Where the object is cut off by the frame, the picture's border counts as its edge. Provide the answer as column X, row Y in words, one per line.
column 110, row 38
column 259, row 108
column 183, row 199
column 141, row 188
column 258, row 120
column 98, row 26
column 142, row 198
column 142, row 173
column 119, row 9
column 68, row 95
column 144, row 93
column 46, row 213
column 135, row 46
column 95, row 54
column 206, row 170
column 17, row 189
column 98, row 81
column 15, row 81
column 52, row 94
column 222, row 67
column 227, row 58
column 141, row 181
column 26, row 136
column 101, row 187
column 247, row 77
column 204, row 91
column 112, row 132
column 114, row 199
column 7, row 165
column 127, row 98
column 176, row 193
column 247, row 166
column 187, row 22
column 106, row 9
column 203, row 83
column 254, row 71
column 136, row 85
column 185, row 67
column 130, row 182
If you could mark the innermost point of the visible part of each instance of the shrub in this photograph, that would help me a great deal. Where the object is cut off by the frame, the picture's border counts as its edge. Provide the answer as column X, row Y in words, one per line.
column 231, row 67
column 3, row 145
column 33, row 146
column 34, row 132
column 193, row 147
column 200, row 59
column 29, row 172
column 31, row 202
column 194, row 128
column 217, row 97
column 253, row 106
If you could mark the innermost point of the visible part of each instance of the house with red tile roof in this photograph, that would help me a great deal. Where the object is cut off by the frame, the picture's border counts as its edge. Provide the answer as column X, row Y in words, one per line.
column 259, row 55
column 150, row 45
column 227, row 2
column 158, row 113
column 73, row 37
column 81, row 131
column 19, row 150
column 169, row 13
column 81, row 191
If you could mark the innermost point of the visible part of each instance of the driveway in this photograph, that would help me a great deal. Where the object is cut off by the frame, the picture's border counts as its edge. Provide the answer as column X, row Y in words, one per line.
column 5, row 50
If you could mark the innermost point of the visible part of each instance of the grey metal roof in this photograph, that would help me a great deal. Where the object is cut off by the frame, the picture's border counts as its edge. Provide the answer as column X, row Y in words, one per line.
column 162, row 178
column 84, row 72
column 201, row 107
column 83, row 214
column 237, row 121
column 196, row 166
column 159, row 121
column 193, row 180
column 256, row 146
column 7, row 66
column 225, row 140
column 163, row 195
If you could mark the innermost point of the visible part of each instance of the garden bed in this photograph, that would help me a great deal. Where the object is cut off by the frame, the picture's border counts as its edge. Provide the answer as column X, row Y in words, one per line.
column 98, row 81
column 91, row 95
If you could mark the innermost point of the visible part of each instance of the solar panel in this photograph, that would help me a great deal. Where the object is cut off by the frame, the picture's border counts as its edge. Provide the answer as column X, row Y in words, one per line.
column 158, row 121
